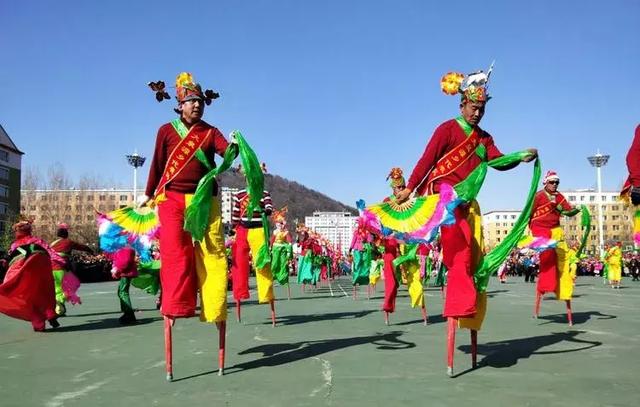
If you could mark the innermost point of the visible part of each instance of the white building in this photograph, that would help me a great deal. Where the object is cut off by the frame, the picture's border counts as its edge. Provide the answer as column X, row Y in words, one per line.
column 337, row 227
column 496, row 225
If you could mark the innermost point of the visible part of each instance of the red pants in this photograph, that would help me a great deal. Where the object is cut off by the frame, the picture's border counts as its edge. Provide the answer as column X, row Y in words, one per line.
column 323, row 272
column 390, row 283
column 457, row 241
column 548, row 275
column 178, row 276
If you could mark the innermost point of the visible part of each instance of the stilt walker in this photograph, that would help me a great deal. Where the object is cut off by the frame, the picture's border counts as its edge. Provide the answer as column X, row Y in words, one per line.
column 251, row 246
column 554, row 275
column 305, row 260
column 455, row 161
column 281, row 249
column 361, row 250
column 631, row 189
column 182, row 184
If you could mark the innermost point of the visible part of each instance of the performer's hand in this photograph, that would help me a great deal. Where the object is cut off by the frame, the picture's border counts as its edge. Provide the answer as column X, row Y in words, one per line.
column 114, row 273
column 142, row 200
column 532, row 156
column 635, row 195
column 403, row 195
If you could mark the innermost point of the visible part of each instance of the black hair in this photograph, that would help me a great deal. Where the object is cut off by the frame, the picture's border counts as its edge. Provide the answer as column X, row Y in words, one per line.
column 63, row 233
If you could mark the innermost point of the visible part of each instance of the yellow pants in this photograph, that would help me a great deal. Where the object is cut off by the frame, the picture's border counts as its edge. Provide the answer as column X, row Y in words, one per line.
column 474, row 218
column 264, row 277
column 564, row 289
column 211, row 267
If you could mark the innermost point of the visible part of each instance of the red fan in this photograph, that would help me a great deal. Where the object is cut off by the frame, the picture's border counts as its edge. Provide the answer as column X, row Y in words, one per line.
column 158, row 87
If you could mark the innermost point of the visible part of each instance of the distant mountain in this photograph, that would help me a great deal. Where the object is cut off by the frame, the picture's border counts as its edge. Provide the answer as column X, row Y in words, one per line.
column 300, row 200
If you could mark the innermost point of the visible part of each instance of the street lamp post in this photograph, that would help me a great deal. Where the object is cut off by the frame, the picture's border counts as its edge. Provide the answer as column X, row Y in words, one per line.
column 599, row 160
column 135, row 160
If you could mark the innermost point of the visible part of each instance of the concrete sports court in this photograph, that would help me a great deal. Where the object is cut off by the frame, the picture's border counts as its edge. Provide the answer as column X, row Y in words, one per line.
column 329, row 350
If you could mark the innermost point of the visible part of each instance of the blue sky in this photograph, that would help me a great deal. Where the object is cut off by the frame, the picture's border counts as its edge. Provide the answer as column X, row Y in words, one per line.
column 331, row 94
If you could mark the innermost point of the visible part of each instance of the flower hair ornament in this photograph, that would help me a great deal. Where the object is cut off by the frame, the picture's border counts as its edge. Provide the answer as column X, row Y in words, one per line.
column 471, row 87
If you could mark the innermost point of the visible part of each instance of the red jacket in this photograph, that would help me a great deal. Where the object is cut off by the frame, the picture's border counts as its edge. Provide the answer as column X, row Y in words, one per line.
column 546, row 213
column 446, row 138
column 633, row 160
column 187, row 180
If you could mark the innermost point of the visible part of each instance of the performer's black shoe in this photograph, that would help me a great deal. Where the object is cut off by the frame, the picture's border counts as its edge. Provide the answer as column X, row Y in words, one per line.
column 127, row 319
column 54, row 323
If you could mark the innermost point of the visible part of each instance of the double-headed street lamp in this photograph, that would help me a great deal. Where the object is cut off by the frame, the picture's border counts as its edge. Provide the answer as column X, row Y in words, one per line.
column 135, row 160
column 599, row 160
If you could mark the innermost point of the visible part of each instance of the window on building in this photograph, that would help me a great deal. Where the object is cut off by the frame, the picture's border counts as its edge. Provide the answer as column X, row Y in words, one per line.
column 89, row 217
column 4, row 155
column 90, row 198
column 67, row 208
column 4, row 208
column 614, row 208
column 581, row 198
column 4, row 173
column 513, row 216
column 112, row 197
column 572, row 198
column 32, row 208
column 123, row 197
column 616, row 227
column 78, row 197
column 102, row 197
column 4, row 191
column 101, row 207
column 592, row 198
column 78, row 218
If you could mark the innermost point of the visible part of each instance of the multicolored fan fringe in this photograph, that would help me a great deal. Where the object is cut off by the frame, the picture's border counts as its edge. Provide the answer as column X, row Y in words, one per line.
column 114, row 237
column 538, row 244
column 137, row 221
column 636, row 227
column 418, row 222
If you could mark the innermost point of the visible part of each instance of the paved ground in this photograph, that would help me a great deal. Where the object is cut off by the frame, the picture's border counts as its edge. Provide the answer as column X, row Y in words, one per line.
column 330, row 350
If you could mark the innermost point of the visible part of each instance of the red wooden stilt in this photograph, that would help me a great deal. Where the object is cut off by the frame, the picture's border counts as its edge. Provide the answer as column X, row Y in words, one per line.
column 442, row 291
column 168, row 351
column 536, row 309
column 288, row 292
column 222, row 336
column 238, row 310
column 272, row 303
column 355, row 294
column 386, row 318
column 451, row 342
column 474, row 348
column 368, row 291
column 303, row 288
column 569, row 316
column 425, row 317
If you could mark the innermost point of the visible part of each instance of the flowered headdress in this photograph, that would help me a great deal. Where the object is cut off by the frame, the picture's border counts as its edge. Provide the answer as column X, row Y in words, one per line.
column 397, row 178
column 186, row 89
column 280, row 216
column 472, row 87
column 550, row 176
